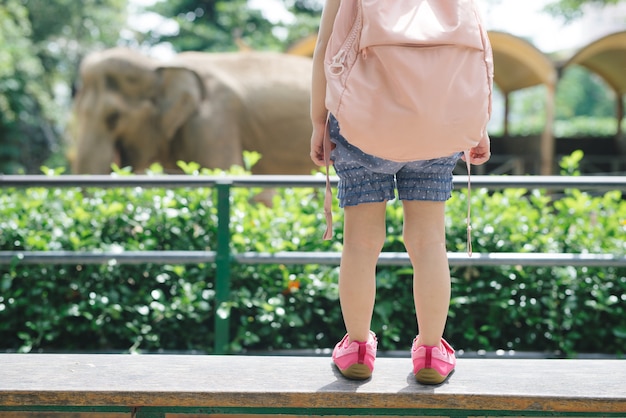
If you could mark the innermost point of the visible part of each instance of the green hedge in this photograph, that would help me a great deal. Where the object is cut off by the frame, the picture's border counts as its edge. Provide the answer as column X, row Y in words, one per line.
column 171, row 307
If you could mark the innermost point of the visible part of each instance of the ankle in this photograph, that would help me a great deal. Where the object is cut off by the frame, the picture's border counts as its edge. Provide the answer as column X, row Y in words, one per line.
column 359, row 338
column 427, row 342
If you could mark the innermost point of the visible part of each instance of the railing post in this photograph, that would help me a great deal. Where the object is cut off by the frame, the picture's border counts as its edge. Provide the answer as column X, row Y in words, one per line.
column 222, row 263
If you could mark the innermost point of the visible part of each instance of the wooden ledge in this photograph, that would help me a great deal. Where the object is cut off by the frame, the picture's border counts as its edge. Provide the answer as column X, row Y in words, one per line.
column 258, row 384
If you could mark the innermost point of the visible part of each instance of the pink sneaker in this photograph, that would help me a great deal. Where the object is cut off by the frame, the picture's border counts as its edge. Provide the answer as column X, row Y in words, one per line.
column 432, row 365
column 355, row 360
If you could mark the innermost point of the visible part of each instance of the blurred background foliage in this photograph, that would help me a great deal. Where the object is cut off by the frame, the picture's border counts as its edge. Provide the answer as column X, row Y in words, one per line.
column 43, row 41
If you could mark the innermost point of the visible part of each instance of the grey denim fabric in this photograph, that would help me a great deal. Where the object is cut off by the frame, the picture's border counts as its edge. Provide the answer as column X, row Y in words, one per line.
column 365, row 178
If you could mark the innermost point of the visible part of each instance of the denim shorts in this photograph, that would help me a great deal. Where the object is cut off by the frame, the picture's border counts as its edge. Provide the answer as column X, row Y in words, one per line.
column 364, row 178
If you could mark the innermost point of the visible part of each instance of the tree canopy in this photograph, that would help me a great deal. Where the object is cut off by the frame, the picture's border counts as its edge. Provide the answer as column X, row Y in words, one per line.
column 574, row 9
column 41, row 45
column 224, row 25
column 25, row 103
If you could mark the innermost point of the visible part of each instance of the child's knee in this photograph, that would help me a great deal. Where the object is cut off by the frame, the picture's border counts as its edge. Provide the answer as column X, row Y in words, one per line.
column 367, row 242
column 424, row 243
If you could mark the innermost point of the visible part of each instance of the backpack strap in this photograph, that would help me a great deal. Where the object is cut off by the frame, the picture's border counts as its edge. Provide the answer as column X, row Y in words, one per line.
column 469, row 203
column 328, row 195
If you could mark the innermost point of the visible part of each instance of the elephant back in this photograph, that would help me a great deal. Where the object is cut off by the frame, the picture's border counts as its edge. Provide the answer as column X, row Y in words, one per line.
column 120, row 70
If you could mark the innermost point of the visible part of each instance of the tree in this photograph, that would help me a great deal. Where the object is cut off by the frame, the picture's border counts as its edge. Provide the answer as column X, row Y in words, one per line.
column 214, row 25
column 41, row 45
column 64, row 31
column 307, row 18
column 573, row 9
column 24, row 105
column 582, row 93
column 229, row 25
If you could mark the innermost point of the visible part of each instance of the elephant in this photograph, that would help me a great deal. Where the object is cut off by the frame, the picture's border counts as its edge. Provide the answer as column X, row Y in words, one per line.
column 202, row 107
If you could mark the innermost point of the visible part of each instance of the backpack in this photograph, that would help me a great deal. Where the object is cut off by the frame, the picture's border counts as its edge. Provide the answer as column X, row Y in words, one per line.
column 409, row 79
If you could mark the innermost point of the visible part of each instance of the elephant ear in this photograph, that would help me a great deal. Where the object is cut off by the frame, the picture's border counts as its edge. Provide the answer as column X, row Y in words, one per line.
column 180, row 96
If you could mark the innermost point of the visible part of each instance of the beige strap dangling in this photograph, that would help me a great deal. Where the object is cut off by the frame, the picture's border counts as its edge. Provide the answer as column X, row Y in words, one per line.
column 328, row 195
column 469, row 204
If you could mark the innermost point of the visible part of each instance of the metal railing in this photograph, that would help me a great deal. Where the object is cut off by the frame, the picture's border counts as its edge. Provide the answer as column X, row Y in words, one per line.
column 223, row 257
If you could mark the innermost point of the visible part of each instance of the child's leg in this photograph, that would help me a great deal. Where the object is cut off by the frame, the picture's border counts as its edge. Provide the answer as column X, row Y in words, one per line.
column 363, row 239
column 425, row 241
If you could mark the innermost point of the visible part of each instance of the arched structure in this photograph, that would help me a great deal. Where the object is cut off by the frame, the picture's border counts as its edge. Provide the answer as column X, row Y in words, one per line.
column 607, row 58
column 519, row 65
column 304, row 47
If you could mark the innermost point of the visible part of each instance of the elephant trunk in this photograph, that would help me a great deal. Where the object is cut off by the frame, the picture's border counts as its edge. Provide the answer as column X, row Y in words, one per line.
column 97, row 132
column 95, row 156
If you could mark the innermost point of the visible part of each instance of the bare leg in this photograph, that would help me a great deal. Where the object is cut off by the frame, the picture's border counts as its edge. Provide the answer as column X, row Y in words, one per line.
column 363, row 239
column 425, row 241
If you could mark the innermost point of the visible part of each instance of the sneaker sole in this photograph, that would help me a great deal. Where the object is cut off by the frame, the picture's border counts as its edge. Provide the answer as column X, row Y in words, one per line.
column 357, row 372
column 430, row 377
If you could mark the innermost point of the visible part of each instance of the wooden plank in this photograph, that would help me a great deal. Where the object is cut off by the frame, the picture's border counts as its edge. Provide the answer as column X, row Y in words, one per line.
column 307, row 383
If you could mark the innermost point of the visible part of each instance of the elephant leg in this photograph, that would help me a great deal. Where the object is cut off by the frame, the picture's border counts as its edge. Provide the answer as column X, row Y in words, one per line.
column 265, row 197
